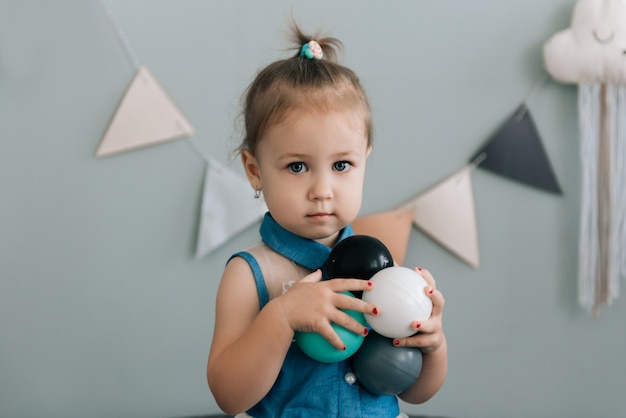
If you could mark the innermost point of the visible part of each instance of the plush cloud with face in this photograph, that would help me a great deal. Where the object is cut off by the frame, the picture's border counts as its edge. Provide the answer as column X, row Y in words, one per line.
column 593, row 49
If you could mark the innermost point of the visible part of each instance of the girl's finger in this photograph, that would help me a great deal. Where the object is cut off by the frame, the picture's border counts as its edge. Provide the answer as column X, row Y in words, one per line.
column 315, row 276
column 432, row 292
column 438, row 302
column 418, row 340
column 331, row 336
column 348, row 322
column 343, row 285
column 425, row 327
column 426, row 275
column 346, row 302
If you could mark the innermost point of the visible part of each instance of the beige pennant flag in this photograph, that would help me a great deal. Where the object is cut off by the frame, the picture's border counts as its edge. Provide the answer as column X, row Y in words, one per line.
column 447, row 214
column 145, row 116
column 392, row 228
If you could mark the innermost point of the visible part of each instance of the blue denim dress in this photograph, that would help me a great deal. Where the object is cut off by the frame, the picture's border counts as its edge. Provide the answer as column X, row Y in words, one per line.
column 306, row 387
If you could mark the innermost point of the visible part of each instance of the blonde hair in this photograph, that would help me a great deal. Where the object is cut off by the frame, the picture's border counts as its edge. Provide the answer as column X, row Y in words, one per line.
column 302, row 83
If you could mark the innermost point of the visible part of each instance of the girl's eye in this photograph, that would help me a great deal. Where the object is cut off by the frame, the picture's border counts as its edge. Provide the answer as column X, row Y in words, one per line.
column 297, row 167
column 342, row 166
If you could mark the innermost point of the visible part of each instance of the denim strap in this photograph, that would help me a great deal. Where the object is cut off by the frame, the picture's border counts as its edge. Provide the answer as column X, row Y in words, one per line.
column 258, row 276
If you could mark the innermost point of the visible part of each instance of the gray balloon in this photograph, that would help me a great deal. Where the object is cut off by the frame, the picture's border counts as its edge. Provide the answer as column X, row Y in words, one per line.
column 384, row 369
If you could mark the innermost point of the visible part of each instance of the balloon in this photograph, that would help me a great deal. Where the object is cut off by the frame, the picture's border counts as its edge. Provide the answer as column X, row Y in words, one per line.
column 398, row 293
column 318, row 348
column 359, row 257
column 384, row 369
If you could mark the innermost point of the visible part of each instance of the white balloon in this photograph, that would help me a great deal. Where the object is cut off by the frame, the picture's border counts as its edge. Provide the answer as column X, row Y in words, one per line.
column 399, row 295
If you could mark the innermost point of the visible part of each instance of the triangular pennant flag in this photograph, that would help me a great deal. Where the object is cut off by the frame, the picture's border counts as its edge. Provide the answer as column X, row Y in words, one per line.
column 516, row 151
column 228, row 207
column 145, row 116
column 446, row 213
column 392, row 228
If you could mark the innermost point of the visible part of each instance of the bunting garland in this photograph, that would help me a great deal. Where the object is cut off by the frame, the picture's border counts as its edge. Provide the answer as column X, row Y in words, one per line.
column 148, row 116
column 445, row 212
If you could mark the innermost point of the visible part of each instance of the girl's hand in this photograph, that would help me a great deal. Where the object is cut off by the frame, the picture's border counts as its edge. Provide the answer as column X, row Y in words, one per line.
column 429, row 334
column 311, row 305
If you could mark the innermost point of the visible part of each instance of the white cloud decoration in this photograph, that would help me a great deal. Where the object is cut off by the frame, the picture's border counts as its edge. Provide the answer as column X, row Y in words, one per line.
column 592, row 53
column 593, row 49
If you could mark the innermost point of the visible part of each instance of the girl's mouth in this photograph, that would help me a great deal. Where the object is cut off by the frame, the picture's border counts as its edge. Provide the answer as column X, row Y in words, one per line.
column 320, row 216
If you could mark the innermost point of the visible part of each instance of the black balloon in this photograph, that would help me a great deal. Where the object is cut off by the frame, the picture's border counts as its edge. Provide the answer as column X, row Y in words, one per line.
column 384, row 369
column 359, row 257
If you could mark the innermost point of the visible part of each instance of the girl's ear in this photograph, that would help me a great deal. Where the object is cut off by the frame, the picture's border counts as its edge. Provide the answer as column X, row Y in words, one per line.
column 251, row 166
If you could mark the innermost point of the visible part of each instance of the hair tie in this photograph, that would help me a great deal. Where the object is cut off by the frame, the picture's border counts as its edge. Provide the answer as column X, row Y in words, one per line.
column 312, row 50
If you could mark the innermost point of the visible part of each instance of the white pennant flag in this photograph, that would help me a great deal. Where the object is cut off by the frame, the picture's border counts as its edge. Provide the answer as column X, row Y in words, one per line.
column 447, row 214
column 228, row 207
column 145, row 116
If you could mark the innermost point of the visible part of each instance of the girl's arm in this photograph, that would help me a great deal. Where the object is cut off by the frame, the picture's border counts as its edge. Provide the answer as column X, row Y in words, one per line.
column 431, row 378
column 250, row 344
column 432, row 340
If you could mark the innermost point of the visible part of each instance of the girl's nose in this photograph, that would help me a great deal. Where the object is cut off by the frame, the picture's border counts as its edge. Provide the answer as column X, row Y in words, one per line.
column 321, row 189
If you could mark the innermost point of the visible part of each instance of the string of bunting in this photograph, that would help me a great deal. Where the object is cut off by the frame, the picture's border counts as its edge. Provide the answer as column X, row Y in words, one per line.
column 445, row 212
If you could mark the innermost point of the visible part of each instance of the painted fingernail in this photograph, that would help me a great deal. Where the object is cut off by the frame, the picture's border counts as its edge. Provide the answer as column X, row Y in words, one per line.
column 396, row 342
column 366, row 331
column 375, row 311
column 370, row 284
column 430, row 292
column 418, row 325
column 419, row 269
column 344, row 348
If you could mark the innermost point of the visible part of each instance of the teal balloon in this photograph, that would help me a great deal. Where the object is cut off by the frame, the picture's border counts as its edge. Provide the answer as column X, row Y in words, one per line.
column 316, row 346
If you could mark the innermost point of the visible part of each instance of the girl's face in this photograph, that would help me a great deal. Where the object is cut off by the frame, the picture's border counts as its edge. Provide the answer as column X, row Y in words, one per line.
column 311, row 168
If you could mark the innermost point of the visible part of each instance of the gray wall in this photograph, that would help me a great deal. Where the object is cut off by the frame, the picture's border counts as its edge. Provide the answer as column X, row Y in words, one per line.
column 104, row 312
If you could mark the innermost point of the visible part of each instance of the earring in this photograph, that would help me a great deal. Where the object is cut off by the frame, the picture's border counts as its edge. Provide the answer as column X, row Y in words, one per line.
column 257, row 193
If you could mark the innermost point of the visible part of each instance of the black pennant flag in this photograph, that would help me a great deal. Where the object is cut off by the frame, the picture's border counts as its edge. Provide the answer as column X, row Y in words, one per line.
column 516, row 151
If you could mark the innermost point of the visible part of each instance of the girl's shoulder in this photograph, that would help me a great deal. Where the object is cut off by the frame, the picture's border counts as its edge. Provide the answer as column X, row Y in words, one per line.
column 279, row 272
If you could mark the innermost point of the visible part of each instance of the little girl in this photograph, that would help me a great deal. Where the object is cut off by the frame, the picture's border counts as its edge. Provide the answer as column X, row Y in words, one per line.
column 308, row 134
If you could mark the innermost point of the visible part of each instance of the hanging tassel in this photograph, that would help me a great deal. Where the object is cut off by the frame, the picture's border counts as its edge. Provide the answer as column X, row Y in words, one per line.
column 602, row 253
column 618, row 190
column 620, row 176
column 588, row 111
column 604, row 265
